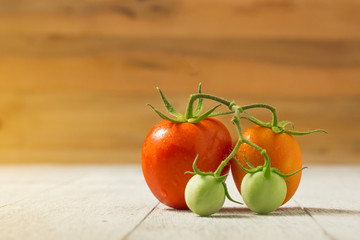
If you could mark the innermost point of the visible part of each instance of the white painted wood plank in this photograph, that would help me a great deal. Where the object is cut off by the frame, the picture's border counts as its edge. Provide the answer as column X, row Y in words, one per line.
column 232, row 222
column 111, row 202
column 21, row 181
column 229, row 223
column 107, row 203
column 331, row 195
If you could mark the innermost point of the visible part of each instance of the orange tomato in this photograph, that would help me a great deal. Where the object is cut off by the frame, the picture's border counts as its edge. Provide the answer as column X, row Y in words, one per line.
column 282, row 149
column 169, row 150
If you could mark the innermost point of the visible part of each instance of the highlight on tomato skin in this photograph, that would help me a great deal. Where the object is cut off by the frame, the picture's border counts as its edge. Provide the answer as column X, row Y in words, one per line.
column 282, row 149
column 169, row 150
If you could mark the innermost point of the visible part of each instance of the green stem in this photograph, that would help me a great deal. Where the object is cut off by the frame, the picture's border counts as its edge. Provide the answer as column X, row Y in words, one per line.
column 304, row 133
column 256, row 121
column 287, row 175
column 265, row 155
column 236, row 121
column 261, row 150
column 251, row 170
column 267, row 171
column 193, row 97
column 228, row 158
column 272, row 109
column 230, row 105
column 228, row 195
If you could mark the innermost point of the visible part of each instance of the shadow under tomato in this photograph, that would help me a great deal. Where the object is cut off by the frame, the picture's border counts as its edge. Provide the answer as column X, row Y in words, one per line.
column 243, row 212
column 235, row 212
column 326, row 211
column 176, row 210
column 296, row 211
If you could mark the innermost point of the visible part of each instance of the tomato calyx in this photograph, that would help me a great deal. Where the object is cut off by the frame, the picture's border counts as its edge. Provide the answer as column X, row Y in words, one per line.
column 194, row 115
column 263, row 188
column 218, row 178
column 191, row 115
column 266, row 169
column 280, row 127
column 263, row 194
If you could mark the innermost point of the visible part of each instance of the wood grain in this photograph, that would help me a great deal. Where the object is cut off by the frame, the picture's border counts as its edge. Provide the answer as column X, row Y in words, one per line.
column 97, row 204
column 321, row 209
column 265, row 18
column 107, row 128
column 75, row 76
column 229, row 223
column 113, row 202
column 342, row 202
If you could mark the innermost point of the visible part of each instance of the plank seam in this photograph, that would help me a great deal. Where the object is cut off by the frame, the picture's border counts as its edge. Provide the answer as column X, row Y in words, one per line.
column 317, row 223
column 328, row 235
column 140, row 222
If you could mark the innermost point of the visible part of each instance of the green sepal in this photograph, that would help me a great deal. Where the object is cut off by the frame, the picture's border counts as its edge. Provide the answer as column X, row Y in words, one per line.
column 222, row 178
column 228, row 195
column 197, row 171
column 188, row 172
column 247, row 162
column 251, row 171
column 168, row 106
column 203, row 116
column 249, row 119
column 220, row 113
column 304, row 133
column 286, row 175
column 284, row 123
column 278, row 129
column 166, row 117
column 199, row 105
column 255, row 120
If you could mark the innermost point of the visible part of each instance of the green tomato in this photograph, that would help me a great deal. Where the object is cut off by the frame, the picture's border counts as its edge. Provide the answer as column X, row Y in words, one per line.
column 204, row 195
column 263, row 194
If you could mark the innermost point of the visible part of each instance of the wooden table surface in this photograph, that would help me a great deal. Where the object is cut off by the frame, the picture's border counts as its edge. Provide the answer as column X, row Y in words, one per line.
column 113, row 202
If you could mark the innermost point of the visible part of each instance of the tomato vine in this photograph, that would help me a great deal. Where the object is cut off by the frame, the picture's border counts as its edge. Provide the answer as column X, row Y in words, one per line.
column 194, row 115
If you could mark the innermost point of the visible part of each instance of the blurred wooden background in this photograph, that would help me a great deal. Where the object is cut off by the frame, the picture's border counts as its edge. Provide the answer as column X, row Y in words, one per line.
column 75, row 76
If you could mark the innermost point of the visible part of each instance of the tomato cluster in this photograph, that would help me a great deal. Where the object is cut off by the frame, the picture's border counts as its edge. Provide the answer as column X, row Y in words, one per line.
column 265, row 161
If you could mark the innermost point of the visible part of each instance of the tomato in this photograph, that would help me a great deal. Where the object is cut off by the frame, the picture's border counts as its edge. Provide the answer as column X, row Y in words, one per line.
column 282, row 149
column 169, row 151
column 204, row 195
column 263, row 194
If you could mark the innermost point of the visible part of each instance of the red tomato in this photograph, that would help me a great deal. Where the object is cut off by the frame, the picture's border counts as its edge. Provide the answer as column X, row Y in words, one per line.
column 170, row 149
column 282, row 149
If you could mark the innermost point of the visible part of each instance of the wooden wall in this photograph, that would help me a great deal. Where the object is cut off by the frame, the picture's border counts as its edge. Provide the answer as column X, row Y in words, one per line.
column 75, row 76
